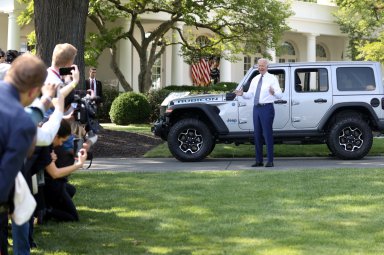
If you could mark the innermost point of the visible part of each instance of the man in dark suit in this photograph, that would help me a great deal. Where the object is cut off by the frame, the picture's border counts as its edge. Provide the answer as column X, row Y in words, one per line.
column 22, row 84
column 93, row 84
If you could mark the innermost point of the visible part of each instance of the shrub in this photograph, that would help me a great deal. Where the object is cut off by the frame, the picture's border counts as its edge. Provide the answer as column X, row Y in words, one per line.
column 224, row 86
column 130, row 108
column 155, row 98
column 109, row 94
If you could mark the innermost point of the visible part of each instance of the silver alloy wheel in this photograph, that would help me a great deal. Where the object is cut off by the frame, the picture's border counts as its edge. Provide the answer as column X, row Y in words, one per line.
column 351, row 138
column 190, row 141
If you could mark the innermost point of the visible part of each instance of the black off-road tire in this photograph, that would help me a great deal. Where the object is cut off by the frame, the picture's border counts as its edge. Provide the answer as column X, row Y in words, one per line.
column 350, row 137
column 330, row 149
column 212, row 147
column 190, row 140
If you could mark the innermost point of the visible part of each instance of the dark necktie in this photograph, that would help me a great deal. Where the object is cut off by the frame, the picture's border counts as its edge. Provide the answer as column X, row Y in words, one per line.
column 93, row 84
column 257, row 94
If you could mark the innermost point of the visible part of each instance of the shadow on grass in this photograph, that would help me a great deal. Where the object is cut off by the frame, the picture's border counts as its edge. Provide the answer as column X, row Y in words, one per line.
column 242, row 212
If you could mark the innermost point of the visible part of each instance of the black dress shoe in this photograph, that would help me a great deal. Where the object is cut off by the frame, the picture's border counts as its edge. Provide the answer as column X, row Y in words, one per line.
column 269, row 164
column 32, row 245
column 257, row 164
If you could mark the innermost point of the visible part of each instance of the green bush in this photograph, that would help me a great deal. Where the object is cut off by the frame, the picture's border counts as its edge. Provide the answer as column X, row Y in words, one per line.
column 130, row 108
column 109, row 94
column 224, row 86
column 155, row 98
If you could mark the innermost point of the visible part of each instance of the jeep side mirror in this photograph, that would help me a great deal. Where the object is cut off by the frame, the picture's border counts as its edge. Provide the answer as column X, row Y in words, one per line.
column 230, row 96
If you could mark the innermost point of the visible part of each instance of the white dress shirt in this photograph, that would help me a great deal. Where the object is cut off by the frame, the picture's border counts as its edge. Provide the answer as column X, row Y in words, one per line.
column 269, row 80
column 53, row 77
column 47, row 132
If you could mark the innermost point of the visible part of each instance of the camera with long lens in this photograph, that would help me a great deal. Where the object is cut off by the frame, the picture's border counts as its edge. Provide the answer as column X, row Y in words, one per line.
column 85, row 112
column 85, row 109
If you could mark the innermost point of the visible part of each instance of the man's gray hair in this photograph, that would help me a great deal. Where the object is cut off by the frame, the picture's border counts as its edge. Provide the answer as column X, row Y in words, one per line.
column 266, row 61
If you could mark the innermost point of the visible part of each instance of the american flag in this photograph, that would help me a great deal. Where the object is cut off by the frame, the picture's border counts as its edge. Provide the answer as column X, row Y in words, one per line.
column 201, row 73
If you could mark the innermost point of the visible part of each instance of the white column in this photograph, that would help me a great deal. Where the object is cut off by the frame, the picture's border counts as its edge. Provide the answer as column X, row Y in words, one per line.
column 177, row 59
column 125, row 58
column 13, row 42
column 225, row 65
column 311, row 47
column 225, row 69
column 272, row 52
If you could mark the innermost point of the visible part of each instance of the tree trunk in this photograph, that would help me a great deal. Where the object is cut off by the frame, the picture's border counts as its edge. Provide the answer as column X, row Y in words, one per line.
column 61, row 21
column 145, row 79
column 116, row 70
column 147, row 82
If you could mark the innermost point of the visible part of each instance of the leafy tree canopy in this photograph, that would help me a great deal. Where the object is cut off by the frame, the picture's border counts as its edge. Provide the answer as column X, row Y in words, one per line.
column 231, row 27
column 363, row 21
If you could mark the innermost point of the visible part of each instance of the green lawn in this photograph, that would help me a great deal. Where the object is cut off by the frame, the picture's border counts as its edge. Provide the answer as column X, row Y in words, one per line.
column 137, row 128
column 223, row 212
column 299, row 212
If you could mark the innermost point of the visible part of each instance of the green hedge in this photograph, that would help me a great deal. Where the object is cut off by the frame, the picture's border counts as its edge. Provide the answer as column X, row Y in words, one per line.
column 109, row 95
column 130, row 108
column 134, row 108
column 155, row 98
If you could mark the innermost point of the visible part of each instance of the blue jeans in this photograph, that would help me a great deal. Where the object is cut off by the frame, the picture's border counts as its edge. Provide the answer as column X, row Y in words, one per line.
column 20, row 236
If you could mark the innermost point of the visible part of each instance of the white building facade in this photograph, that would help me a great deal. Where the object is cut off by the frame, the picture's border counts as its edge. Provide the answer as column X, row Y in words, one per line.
column 314, row 36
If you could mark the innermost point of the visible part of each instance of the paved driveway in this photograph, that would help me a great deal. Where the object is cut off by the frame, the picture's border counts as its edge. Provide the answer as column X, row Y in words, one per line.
column 171, row 164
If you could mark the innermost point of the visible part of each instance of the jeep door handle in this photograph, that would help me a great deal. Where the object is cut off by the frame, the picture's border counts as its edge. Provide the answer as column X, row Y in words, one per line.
column 280, row 101
column 320, row 100
column 242, row 104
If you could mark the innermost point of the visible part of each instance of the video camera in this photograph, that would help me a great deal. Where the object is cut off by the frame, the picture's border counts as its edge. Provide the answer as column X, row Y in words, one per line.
column 85, row 111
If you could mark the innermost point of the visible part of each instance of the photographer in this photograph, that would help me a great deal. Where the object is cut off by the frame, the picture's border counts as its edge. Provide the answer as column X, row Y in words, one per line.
column 63, row 70
column 58, row 192
column 63, row 57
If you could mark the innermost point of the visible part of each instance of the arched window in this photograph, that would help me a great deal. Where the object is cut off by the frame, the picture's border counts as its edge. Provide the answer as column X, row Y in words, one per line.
column 287, row 53
column 321, row 53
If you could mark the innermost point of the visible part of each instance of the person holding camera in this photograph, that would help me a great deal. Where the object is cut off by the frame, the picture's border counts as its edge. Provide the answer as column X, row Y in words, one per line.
column 53, row 94
column 62, row 70
column 57, row 191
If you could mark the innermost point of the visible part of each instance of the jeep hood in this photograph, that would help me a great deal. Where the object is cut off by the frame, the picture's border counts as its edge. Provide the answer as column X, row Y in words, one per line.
column 184, row 98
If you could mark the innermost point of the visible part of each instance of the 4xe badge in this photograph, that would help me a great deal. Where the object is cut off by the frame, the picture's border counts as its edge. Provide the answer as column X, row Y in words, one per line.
column 231, row 121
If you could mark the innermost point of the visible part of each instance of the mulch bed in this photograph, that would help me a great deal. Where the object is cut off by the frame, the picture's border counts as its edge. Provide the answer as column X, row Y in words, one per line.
column 121, row 144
